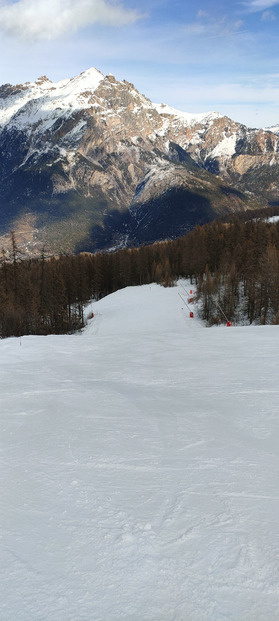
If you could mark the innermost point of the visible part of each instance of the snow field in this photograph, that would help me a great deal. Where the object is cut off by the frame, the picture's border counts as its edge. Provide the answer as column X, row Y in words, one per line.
column 139, row 468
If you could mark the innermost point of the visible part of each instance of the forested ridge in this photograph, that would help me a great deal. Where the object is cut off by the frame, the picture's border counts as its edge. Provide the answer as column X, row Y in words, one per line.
column 235, row 265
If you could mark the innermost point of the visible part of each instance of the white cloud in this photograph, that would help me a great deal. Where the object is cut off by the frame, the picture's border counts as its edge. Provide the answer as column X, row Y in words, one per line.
column 48, row 19
column 210, row 27
column 202, row 13
column 255, row 105
column 268, row 16
column 260, row 5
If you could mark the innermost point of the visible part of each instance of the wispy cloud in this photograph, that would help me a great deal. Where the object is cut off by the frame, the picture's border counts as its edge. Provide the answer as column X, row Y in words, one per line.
column 202, row 13
column 255, row 105
column 260, row 5
column 48, row 19
column 212, row 27
column 268, row 16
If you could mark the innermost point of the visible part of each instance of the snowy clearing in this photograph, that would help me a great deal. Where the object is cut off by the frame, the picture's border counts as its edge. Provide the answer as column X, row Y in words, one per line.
column 272, row 219
column 140, row 468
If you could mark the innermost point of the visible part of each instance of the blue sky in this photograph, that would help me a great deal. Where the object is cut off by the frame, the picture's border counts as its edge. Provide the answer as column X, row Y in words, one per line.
column 195, row 56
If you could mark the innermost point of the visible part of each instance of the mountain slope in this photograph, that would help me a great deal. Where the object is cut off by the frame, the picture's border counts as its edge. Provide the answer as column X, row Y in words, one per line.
column 90, row 162
column 140, row 467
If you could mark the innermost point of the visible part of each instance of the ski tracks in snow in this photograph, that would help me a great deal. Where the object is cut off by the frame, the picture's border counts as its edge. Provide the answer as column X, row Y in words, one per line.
column 140, row 469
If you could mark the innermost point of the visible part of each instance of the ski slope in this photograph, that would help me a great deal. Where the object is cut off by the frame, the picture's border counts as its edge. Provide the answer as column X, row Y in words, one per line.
column 139, row 468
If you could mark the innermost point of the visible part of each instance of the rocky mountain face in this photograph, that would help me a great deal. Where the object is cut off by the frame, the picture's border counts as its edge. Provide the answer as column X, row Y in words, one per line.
column 91, row 163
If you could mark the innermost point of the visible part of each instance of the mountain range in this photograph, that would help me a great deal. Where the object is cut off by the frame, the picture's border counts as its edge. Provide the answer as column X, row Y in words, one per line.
column 90, row 163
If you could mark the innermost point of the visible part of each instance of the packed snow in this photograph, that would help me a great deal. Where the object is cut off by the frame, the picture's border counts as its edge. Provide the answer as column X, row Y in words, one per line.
column 140, row 467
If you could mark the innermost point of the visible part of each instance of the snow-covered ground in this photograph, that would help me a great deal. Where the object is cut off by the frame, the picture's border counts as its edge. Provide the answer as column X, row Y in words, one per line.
column 140, row 467
column 272, row 219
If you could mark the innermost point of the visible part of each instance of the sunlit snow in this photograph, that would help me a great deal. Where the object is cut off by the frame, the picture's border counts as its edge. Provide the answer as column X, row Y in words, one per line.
column 187, row 118
column 272, row 219
column 46, row 100
column 140, row 468
column 274, row 129
column 226, row 147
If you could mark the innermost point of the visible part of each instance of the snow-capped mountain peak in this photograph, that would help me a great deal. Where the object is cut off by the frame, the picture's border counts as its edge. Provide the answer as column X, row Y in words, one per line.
column 90, row 148
column 31, row 102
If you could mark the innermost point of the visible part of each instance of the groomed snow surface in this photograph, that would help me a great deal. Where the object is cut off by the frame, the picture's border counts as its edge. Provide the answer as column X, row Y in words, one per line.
column 140, row 468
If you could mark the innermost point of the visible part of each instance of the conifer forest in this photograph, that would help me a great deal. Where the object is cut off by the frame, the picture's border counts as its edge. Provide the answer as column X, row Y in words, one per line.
column 234, row 264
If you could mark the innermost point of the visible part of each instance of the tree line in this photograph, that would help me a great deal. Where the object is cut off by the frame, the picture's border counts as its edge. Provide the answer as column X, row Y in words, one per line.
column 235, row 265
column 240, row 281
column 47, row 295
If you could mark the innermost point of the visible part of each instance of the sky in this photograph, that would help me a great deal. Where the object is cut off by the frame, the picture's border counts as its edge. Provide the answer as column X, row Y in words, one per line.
column 195, row 56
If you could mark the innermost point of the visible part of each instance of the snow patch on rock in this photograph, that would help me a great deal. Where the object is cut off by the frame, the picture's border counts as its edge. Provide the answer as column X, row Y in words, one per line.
column 186, row 117
column 225, row 148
